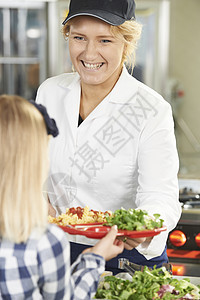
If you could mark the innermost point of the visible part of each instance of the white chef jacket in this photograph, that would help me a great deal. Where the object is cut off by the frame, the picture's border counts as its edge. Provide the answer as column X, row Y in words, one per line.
column 122, row 155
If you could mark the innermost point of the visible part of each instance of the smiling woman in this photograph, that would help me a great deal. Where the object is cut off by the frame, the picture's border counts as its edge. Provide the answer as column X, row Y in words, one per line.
column 116, row 146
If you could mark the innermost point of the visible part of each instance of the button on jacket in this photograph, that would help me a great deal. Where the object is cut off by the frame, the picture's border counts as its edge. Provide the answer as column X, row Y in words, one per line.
column 122, row 155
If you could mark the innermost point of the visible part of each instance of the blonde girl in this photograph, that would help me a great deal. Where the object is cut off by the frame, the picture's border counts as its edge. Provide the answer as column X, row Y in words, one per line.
column 34, row 256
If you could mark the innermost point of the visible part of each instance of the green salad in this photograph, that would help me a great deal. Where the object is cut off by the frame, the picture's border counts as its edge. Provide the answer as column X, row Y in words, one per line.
column 133, row 219
column 148, row 285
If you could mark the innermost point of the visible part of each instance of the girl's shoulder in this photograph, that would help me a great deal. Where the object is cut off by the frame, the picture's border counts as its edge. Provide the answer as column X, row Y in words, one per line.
column 41, row 242
column 53, row 245
column 53, row 231
column 52, row 235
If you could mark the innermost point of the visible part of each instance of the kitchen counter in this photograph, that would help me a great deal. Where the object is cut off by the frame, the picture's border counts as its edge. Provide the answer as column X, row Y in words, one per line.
column 194, row 280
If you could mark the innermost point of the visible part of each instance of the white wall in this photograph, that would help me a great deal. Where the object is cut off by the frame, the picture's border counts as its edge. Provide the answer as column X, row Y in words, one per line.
column 184, row 64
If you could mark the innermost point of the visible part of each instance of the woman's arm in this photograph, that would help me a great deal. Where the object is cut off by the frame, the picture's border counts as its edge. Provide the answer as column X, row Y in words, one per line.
column 158, row 182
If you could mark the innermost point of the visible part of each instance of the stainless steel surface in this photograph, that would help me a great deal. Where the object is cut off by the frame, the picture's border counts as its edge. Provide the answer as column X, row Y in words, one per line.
column 23, row 47
column 155, row 16
column 190, row 215
column 186, row 258
column 121, row 262
column 126, row 265
column 188, row 269
column 194, row 280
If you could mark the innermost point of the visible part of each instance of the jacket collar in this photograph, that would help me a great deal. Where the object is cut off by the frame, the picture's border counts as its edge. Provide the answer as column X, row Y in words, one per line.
column 122, row 93
column 69, row 80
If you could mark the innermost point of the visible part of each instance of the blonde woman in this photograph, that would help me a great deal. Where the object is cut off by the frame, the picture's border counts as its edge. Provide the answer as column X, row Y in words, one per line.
column 34, row 256
column 116, row 146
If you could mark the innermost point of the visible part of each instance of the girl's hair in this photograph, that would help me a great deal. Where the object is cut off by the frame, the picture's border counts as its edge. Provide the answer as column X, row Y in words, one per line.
column 129, row 32
column 23, row 168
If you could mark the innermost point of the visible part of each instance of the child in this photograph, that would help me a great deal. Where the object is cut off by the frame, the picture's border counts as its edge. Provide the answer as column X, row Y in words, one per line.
column 34, row 255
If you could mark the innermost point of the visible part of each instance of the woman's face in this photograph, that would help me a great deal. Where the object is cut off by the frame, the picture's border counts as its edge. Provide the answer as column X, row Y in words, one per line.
column 95, row 53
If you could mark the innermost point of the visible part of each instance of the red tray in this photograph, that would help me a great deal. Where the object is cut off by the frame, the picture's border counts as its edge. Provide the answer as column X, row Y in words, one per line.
column 97, row 231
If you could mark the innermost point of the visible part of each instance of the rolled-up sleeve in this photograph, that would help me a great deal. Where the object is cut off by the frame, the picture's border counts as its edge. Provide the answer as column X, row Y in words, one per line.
column 85, row 274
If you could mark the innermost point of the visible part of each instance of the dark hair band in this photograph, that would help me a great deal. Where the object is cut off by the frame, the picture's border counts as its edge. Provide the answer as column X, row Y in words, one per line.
column 51, row 126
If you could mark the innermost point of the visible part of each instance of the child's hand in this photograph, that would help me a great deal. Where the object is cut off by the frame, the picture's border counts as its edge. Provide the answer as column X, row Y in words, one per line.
column 108, row 246
column 51, row 210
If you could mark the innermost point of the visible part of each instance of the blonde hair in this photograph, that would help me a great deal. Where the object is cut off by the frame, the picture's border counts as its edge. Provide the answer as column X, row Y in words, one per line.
column 129, row 32
column 23, row 168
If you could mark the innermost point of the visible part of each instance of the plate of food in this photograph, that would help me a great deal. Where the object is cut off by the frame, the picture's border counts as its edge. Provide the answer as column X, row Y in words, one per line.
column 131, row 223
column 99, row 230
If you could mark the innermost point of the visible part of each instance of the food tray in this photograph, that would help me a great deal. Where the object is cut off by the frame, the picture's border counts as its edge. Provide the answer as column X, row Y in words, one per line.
column 98, row 230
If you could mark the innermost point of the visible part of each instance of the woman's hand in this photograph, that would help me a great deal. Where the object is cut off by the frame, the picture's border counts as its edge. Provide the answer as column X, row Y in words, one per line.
column 108, row 246
column 129, row 243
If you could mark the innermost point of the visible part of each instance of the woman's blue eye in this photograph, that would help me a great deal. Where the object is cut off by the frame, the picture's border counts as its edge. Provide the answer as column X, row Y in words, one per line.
column 79, row 38
column 105, row 41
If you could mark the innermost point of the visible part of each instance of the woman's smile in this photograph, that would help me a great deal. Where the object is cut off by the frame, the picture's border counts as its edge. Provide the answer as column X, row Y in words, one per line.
column 92, row 66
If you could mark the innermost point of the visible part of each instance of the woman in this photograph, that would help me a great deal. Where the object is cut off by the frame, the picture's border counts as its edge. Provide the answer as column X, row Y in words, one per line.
column 122, row 150
column 34, row 256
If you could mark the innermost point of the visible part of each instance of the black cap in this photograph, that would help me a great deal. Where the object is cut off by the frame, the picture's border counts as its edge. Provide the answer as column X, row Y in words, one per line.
column 114, row 12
